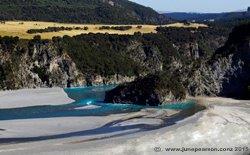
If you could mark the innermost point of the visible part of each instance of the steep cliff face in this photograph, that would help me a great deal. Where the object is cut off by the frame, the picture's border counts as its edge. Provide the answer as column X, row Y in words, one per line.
column 225, row 73
column 207, row 80
column 237, row 50
column 228, row 71
column 43, row 63
column 228, row 76
column 38, row 65
column 147, row 56
column 195, row 50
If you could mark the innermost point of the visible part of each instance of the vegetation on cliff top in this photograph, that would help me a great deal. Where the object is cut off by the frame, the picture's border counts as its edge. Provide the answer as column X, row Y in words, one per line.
column 106, row 54
column 176, row 49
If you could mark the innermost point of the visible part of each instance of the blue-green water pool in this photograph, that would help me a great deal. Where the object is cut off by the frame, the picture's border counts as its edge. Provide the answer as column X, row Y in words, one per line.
column 88, row 102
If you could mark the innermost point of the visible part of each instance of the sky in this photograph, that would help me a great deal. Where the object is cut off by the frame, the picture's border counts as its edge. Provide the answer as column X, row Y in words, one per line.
column 204, row 6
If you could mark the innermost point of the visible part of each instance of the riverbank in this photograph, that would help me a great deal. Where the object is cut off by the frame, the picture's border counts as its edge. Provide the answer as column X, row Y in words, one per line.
column 225, row 123
column 33, row 97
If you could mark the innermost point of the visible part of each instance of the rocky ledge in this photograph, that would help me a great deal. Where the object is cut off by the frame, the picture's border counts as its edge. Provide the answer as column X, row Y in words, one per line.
column 151, row 90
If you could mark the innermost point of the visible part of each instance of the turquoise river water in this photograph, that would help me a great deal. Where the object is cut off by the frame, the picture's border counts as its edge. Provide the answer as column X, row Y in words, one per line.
column 84, row 97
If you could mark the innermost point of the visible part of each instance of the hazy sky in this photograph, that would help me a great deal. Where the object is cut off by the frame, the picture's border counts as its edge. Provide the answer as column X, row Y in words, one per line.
column 196, row 5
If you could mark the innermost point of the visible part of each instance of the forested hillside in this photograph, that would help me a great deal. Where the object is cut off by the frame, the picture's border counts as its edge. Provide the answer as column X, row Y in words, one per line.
column 201, row 17
column 204, row 61
column 79, row 11
column 65, row 60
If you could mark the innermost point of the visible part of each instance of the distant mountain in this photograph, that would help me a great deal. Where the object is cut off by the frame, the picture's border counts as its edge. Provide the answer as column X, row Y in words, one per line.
column 209, row 16
column 79, row 11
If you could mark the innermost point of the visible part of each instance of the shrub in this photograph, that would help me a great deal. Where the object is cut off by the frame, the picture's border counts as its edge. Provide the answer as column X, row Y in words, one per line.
column 54, row 29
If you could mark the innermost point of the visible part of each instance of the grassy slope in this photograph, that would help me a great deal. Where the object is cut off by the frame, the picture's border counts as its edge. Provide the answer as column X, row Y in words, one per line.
column 19, row 28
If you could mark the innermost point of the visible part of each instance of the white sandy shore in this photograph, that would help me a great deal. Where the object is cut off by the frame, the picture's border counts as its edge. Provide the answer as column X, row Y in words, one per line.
column 226, row 123
column 33, row 97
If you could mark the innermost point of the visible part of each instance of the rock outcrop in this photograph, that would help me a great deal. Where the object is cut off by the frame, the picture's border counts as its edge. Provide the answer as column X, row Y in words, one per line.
column 92, row 80
column 39, row 65
column 147, row 56
column 226, row 74
column 150, row 90
column 44, row 64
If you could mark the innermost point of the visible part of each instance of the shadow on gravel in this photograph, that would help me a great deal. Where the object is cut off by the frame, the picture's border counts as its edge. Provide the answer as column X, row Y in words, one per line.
column 112, row 129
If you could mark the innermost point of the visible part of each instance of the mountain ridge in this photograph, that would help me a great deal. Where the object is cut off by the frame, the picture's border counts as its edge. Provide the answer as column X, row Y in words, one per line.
column 223, row 16
column 80, row 11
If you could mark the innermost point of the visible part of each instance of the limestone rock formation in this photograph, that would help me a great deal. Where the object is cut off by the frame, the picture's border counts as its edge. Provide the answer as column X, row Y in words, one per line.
column 40, row 65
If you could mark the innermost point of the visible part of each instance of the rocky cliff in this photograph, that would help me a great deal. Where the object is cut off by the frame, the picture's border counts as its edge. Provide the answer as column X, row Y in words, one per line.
column 236, row 52
column 37, row 65
column 226, row 73
column 179, row 62
column 43, row 63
